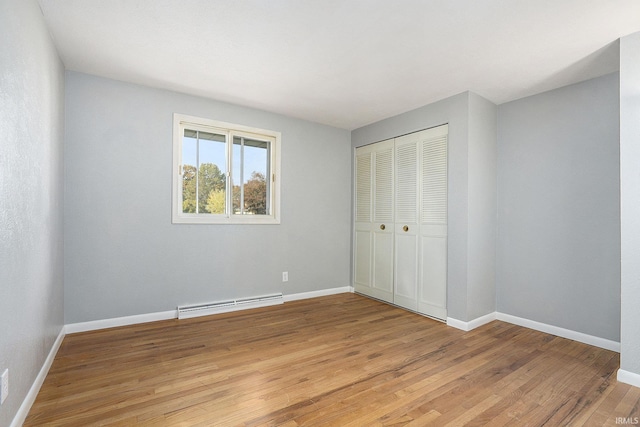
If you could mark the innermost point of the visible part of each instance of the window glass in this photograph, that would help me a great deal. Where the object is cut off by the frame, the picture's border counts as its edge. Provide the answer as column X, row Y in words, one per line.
column 203, row 172
column 212, row 174
column 250, row 176
column 189, row 173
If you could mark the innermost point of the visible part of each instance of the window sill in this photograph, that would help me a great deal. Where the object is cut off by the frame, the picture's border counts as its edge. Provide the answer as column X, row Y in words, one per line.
column 215, row 219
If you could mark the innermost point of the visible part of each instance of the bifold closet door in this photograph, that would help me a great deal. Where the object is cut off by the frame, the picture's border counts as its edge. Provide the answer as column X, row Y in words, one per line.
column 421, row 222
column 406, row 226
column 362, row 239
column 432, row 280
column 400, row 230
column 374, row 220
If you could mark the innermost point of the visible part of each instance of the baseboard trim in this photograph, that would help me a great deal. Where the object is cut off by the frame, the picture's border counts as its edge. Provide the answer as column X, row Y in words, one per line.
column 472, row 324
column 27, row 403
column 320, row 293
column 538, row 326
column 628, row 378
column 94, row 325
column 561, row 332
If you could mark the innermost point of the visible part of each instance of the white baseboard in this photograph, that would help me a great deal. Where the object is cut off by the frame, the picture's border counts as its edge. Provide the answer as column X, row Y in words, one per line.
column 320, row 293
column 94, row 325
column 475, row 323
column 27, row 403
column 561, row 332
column 458, row 324
column 628, row 378
column 538, row 326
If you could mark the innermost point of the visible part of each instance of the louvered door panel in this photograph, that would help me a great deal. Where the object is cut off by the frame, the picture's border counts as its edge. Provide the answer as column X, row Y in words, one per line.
column 406, row 183
column 383, row 196
column 432, row 280
column 382, row 227
column 363, row 187
column 406, row 215
column 373, row 228
column 434, row 181
column 363, row 238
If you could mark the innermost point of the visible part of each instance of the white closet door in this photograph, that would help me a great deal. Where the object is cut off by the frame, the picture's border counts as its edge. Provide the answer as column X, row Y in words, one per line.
column 432, row 283
column 362, row 243
column 373, row 240
column 406, row 224
column 400, row 230
column 382, row 227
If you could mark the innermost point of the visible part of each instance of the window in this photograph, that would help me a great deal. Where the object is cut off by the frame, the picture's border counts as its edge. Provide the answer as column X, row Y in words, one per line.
column 224, row 173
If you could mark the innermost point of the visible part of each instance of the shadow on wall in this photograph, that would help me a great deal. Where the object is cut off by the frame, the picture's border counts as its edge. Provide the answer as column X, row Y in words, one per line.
column 603, row 61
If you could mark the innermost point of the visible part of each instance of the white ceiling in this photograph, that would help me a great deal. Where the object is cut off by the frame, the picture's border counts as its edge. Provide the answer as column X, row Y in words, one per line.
column 345, row 63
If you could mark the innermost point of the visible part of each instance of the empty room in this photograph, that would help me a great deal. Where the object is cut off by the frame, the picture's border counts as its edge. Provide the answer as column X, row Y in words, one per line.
column 319, row 213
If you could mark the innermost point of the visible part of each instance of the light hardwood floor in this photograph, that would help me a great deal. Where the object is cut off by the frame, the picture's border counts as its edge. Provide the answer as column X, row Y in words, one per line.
column 341, row 360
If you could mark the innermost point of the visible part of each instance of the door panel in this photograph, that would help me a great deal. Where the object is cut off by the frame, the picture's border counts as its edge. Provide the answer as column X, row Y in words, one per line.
column 406, row 203
column 382, row 284
column 383, row 183
column 363, row 187
column 406, row 215
column 432, row 286
column 434, row 180
column 373, row 246
column 432, row 294
column 362, row 261
column 406, row 273
column 383, row 264
column 362, row 244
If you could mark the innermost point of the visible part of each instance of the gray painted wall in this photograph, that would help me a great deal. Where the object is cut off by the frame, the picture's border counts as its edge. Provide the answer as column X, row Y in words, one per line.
column 31, row 170
column 558, row 245
column 630, row 202
column 122, row 254
column 482, row 207
column 471, row 120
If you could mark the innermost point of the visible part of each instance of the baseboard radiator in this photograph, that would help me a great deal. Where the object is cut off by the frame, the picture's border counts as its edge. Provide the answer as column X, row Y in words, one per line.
column 196, row 310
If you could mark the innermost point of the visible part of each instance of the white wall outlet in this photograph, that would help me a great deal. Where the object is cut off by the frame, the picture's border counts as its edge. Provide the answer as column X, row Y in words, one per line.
column 285, row 276
column 4, row 386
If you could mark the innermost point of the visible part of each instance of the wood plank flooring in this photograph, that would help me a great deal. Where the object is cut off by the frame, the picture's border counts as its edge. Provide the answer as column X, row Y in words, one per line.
column 342, row 360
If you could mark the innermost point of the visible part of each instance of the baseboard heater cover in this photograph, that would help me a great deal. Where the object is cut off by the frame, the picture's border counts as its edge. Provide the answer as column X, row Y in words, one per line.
column 196, row 310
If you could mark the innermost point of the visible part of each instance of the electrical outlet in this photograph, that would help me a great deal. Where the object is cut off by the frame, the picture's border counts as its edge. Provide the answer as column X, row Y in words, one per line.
column 4, row 386
column 285, row 276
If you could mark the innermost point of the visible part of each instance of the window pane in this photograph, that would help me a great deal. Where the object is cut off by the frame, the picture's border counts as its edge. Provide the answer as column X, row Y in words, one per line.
column 250, row 175
column 189, row 169
column 236, row 175
column 212, row 172
column 256, row 165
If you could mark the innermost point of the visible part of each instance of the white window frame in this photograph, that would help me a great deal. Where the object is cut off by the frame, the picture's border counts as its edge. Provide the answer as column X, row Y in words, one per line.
column 182, row 121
